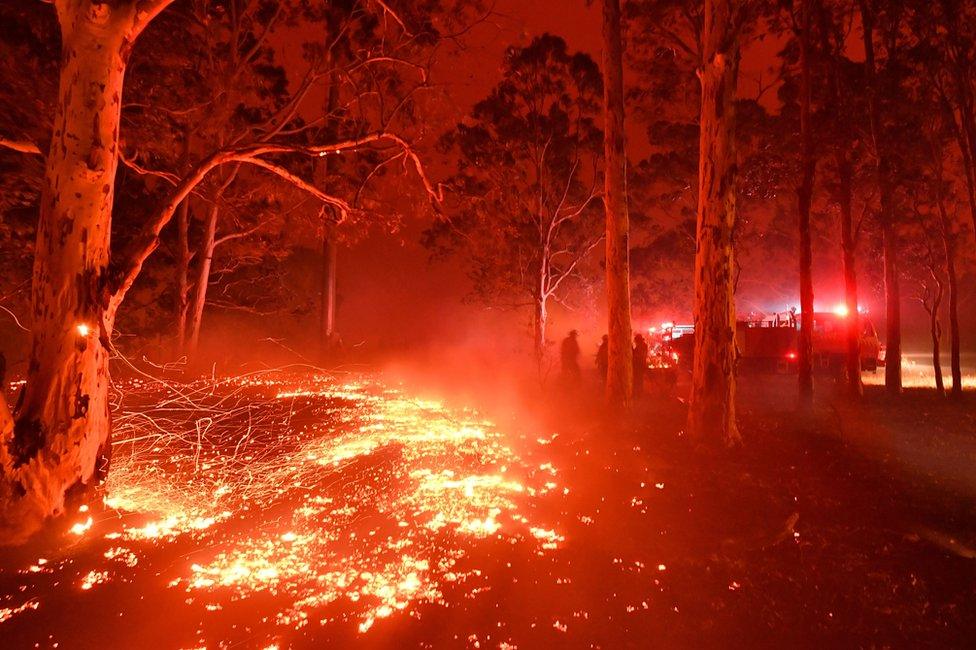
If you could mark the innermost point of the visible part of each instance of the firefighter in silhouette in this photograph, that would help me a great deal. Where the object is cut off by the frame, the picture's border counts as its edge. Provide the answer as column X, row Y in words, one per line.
column 569, row 354
column 603, row 358
column 640, row 364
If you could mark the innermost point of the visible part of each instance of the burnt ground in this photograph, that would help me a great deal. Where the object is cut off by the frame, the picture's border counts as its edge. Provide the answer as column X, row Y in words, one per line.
column 853, row 526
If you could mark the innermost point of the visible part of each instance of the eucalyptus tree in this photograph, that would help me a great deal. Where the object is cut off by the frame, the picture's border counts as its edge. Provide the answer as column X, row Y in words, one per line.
column 56, row 443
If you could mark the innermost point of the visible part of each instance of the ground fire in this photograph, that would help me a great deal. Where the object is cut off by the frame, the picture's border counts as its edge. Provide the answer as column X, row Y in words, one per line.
column 487, row 323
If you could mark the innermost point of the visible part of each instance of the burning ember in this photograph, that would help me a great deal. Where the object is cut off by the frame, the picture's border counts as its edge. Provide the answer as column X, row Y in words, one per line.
column 307, row 500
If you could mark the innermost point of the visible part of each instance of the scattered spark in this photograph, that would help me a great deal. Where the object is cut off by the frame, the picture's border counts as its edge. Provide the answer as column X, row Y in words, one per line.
column 7, row 613
column 93, row 578
column 360, row 478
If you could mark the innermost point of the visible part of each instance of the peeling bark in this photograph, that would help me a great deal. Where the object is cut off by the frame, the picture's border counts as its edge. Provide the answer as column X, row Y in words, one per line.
column 59, row 439
column 711, row 414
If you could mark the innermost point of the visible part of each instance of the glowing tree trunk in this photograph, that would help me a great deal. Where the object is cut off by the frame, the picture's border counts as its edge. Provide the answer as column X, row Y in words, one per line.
column 540, row 317
column 182, row 275
column 206, row 254
column 889, row 234
column 620, row 358
column 329, row 241
column 60, row 434
column 849, row 248
column 711, row 414
column 330, row 252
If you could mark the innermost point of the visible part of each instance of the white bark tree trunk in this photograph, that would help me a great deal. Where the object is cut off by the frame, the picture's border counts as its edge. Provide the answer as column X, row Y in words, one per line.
column 182, row 276
column 206, row 254
column 540, row 316
column 58, row 444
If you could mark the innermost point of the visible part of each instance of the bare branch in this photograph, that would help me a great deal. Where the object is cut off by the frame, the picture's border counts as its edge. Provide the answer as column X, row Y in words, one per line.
column 299, row 182
column 399, row 21
column 169, row 177
column 16, row 320
column 236, row 235
column 124, row 276
column 23, row 146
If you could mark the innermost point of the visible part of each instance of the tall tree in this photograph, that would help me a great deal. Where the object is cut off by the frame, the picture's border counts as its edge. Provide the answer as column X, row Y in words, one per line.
column 948, row 238
column 60, row 437
column 526, row 189
column 620, row 359
column 711, row 412
column 805, row 197
column 840, row 107
column 886, row 192
column 57, row 444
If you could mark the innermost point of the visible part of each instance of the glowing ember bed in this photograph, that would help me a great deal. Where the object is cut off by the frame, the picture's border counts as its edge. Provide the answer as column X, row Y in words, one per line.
column 250, row 509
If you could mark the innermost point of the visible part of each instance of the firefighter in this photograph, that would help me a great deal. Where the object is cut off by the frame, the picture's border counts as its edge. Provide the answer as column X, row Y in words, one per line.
column 640, row 364
column 569, row 357
column 603, row 358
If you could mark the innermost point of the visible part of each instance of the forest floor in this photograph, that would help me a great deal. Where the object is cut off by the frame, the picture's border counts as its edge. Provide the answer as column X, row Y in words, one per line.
column 295, row 510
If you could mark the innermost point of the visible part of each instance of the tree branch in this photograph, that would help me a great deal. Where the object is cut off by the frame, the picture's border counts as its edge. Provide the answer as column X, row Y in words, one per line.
column 124, row 275
column 23, row 146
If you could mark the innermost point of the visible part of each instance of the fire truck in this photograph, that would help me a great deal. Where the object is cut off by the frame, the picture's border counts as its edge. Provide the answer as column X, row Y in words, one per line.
column 770, row 343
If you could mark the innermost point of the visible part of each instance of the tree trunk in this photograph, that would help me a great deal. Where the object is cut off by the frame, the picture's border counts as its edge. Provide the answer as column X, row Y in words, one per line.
column 58, row 444
column 540, row 317
column 182, row 275
column 805, row 197
column 949, row 251
column 620, row 357
column 328, row 291
column 955, row 362
column 888, row 231
column 892, row 300
column 329, row 246
column 711, row 414
column 935, row 329
column 967, row 165
column 206, row 254
column 849, row 248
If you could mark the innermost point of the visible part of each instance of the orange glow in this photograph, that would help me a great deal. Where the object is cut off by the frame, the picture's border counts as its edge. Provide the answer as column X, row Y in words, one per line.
column 354, row 495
